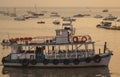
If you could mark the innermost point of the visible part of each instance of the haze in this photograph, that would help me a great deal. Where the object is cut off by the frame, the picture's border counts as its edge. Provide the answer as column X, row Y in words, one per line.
column 60, row 3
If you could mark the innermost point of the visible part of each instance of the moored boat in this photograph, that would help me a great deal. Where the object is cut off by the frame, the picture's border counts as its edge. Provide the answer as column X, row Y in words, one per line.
column 104, row 24
column 41, row 22
column 56, row 22
column 105, row 10
column 63, row 50
column 110, row 17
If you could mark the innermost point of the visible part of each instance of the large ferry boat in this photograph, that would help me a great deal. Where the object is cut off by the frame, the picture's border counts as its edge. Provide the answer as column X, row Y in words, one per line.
column 65, row 49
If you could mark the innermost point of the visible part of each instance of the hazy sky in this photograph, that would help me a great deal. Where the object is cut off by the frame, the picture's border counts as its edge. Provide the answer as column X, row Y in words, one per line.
column 61, row 3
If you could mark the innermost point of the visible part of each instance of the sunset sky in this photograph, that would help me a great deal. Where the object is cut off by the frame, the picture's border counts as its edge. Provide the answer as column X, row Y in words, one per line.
column 60, row 3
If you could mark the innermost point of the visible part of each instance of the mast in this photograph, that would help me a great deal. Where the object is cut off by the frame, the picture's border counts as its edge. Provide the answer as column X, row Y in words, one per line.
column 105, row 46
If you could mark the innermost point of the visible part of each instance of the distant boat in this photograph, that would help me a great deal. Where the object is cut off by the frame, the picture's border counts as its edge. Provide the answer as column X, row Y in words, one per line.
column 34, row 16
column 66, row 24
column 98, row 16
column 20, row 18
column 26, row 16
column 110, row 17
column 79, row 15
column 56, row 22
column 104, row 24
column 68, row 19
column 41, row 22
column 105, row 10
column 118, row 20
column 54, row 15
column 35, row 13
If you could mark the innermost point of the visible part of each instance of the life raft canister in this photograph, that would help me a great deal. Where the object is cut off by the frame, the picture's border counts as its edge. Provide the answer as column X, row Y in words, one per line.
column 97, row 58
column 83, row 39
column 75, row 39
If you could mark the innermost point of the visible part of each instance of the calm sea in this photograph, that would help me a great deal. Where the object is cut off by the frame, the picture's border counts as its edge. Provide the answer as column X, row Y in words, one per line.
column 84, row 26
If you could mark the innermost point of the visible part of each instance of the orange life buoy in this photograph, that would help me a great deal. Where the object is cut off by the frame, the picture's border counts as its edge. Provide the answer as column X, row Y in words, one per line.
column 84, row 39
column 75, row 39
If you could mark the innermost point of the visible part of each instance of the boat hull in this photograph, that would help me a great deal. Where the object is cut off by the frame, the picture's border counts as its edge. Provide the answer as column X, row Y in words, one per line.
column 104, row 62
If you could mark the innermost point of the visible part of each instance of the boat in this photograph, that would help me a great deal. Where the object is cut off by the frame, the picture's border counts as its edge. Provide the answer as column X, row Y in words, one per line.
column 54, row 12
column 98, row 16
column 54, row 15
column 41, row 22
column 110, row 17
column 68, row 19
column 78, row 15
column 118, row 20
column 56, row 22
column 104, row 24
column 65, row 49
column 105, row 10
column 35, row 13
column 19, row 18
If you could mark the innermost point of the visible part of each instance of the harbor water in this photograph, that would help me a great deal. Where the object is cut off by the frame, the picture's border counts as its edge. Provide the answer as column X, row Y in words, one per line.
column 10, row 28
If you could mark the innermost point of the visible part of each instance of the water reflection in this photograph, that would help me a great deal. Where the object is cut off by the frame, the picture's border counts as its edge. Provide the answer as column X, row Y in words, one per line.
column 56, row 72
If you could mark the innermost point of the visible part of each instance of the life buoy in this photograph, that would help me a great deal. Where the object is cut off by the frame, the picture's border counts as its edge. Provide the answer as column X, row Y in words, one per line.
column 55, row 61
column 66, row 61
column 45, row 61
column 33, row 62
column 83, row 39
column 75, row 39
column 76, row 61
column 97, row 58
column 25, row 62
column 88, row 60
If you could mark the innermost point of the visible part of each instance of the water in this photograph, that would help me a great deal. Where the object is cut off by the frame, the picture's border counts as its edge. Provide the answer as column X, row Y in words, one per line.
column 84, row 26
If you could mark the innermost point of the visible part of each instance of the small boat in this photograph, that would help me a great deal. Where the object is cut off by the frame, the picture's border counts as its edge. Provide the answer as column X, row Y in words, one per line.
column 54, row 12
column 26, row 16
column 38, row 14
column 41, row 22
column 20, row 18
column 65, row 49
column 79, row 15
column 104, row 24
column 98, row 16
column 68, row 19
column 105, row 10
column 56, row 22
column 54, row 15
column 110, row 17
